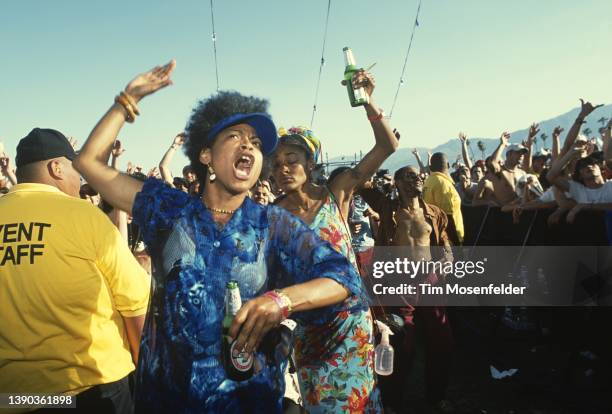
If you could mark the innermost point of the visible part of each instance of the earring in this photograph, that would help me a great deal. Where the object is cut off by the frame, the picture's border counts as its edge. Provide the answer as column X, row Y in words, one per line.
column 211, row 173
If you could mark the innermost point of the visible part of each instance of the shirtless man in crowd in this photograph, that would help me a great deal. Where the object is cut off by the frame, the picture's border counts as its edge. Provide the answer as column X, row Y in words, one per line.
column 498, row 187
column 409, row 221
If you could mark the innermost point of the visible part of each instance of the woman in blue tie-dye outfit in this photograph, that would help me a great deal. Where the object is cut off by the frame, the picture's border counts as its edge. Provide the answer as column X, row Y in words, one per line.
column 199, row 243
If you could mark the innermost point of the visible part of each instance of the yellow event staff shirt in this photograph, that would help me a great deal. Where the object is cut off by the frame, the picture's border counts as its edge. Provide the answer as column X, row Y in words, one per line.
column 439, row 190
column 66, row 279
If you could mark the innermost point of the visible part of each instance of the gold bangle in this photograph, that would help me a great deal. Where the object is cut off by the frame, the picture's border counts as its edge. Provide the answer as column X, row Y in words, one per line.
column 130, row 99
column 130, row 116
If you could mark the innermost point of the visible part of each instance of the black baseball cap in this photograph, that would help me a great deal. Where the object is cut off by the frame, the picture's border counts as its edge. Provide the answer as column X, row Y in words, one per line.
column 43, row 144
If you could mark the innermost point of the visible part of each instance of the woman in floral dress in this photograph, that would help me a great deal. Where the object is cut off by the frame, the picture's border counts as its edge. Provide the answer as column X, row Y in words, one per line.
column 335, row 359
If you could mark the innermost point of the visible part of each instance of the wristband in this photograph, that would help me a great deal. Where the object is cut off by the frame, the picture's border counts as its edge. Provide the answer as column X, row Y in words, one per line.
column 376, row 118
column 282, row 300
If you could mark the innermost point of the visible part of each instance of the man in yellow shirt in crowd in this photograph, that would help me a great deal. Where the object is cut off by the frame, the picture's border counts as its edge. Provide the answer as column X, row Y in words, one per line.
column 72, row 297
column 439, row 190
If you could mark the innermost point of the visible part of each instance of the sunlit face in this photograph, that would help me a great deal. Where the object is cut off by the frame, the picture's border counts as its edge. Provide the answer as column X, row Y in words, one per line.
column 477, row 174
column 189, row 176
column 290, row 167
column 515, row 157
column 236, row 158
column 591, row 175
column 538, row 164
column 261, row 195
column 410, row 182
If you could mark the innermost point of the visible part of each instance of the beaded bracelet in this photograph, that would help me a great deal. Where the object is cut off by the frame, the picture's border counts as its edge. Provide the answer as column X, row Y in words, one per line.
column 282, row 300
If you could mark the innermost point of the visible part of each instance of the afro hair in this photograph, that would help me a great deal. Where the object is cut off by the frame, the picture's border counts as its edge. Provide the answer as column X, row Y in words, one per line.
column 206, row 114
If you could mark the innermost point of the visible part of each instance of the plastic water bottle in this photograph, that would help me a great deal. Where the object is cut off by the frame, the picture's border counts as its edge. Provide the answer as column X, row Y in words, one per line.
column 383, row 354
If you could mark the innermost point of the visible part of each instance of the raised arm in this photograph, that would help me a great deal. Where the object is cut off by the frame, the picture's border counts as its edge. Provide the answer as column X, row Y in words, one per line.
column 117, row 188
column 607, row 145
column 504, row 139
column 386, row 143
column 556, row 142
column 533, row 131
column 118, row 216
column 555, row 175
column 164, row 164
column 585, row 109
column 422, row 167
column 464, row 151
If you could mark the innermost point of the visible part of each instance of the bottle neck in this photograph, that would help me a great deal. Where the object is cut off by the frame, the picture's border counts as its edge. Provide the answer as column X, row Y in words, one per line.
column 233, row 302
column 349, row 59
column 384, row 340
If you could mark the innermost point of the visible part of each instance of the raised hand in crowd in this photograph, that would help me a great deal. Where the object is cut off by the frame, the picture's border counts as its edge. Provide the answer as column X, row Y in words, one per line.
column 464, row 150
column 528, row 143
column 533, row 131
column 117, row 188
column 556, row 142
column 164, row 164
column 504, row 141
column 116, row 152
column 504, row 138
column 153, row 172
column 586, row 108
column 422, row 167
column 386, row 143
column 6, row 169
column 607, row 147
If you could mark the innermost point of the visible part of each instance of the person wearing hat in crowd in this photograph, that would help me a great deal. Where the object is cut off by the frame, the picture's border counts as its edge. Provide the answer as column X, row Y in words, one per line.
column 73, row 297
column 499, row 184
column 199, row 244
column 588, row 188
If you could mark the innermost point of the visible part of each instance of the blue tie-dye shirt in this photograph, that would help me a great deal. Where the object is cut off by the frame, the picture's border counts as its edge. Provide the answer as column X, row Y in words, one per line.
column 262, row 248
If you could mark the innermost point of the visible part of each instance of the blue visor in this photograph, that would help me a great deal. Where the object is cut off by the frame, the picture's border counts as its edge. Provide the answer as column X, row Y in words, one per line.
column 261, row 122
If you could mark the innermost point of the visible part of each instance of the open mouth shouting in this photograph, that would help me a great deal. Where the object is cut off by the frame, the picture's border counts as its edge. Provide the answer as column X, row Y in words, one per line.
column 243, row 166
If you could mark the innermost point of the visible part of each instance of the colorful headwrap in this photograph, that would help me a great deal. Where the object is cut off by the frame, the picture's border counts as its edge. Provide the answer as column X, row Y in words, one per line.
column 303, row 137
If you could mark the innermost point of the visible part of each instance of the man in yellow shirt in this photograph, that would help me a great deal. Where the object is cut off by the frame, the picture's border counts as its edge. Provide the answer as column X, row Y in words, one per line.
column 72, row 296
column 439, row 190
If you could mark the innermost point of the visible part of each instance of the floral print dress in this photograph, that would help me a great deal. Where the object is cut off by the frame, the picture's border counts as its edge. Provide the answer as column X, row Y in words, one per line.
column 336, row 360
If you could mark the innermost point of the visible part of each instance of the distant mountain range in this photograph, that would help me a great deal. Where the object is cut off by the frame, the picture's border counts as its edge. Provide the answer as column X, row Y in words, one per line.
column 403, row 156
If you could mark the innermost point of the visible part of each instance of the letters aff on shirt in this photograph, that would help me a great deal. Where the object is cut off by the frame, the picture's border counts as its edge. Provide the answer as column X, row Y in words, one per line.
column 21, row 243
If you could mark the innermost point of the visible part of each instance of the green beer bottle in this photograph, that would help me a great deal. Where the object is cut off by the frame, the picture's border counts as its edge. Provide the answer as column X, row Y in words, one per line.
column 357, row 96
column 239, row 367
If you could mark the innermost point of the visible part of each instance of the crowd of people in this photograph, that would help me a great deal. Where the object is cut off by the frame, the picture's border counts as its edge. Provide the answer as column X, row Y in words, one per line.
column 118, row 298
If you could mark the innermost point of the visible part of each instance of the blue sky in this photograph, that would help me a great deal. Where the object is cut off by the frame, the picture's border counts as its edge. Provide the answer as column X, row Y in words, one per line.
column 477, row 66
